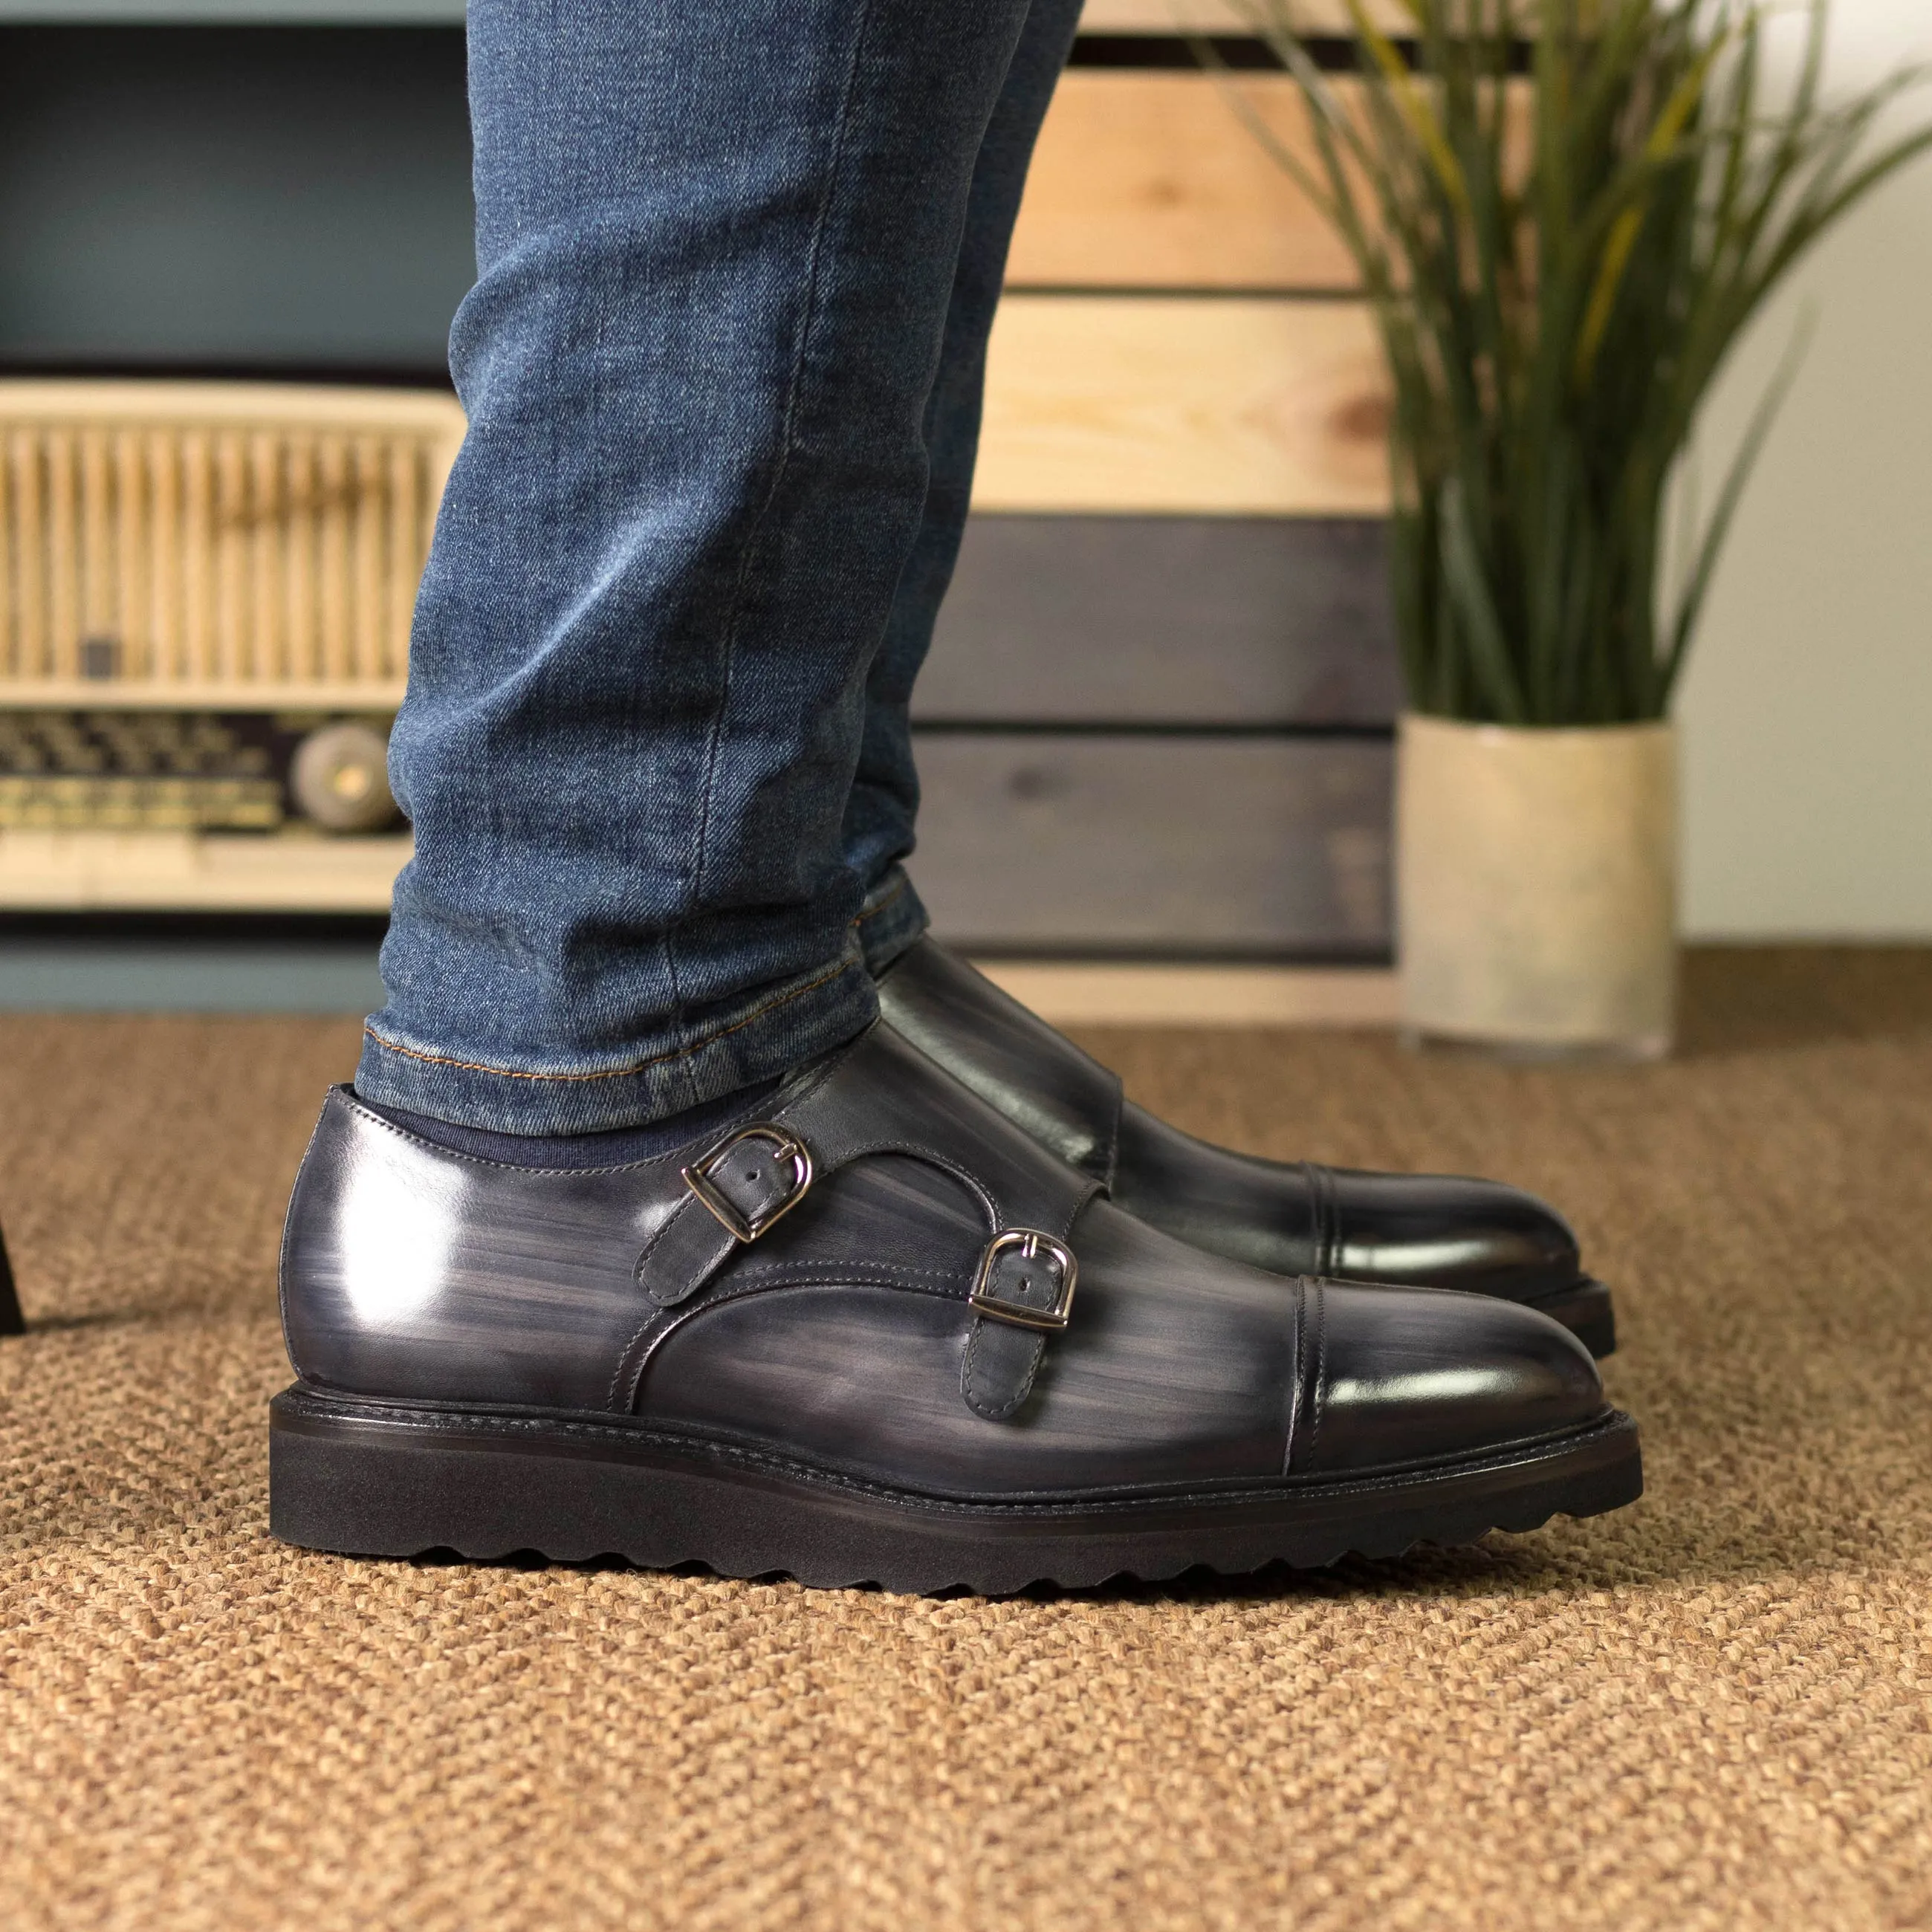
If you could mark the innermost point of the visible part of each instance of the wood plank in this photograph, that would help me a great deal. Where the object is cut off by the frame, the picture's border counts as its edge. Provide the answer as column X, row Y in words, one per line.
column 1183, row 845
column 1150, row 180
column 1165, row 620
column 83, row 694
column 180, row 871
column 238, row 13
column 244, row 404
column 1227, row 17
column 1217, row 405
column 1075, row 992
column 1095, row 843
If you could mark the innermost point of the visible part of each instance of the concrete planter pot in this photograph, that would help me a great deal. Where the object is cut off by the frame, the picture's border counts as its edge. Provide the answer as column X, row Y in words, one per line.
column 1536, row 892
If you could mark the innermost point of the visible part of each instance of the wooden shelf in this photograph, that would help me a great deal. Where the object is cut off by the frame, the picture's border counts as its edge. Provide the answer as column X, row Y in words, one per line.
column 181, row 871
column 1080, row 992
column 231, row 13
column 203, row 694
column 1221, row 16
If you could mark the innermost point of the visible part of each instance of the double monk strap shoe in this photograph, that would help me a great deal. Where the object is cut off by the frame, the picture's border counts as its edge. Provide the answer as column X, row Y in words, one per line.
column 877, row 1334
column 1297, row 1219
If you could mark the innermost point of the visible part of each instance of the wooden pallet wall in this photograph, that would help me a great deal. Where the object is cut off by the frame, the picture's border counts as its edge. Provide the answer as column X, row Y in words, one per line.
column 1157, row 717
column 1148, row 180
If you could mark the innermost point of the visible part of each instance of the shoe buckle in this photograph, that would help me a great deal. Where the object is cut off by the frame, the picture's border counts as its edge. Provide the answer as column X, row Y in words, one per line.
column 705, row 1178
column 1000, row 1297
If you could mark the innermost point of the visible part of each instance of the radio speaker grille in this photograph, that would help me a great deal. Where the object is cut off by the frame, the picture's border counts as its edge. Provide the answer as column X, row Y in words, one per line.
column 215, row 544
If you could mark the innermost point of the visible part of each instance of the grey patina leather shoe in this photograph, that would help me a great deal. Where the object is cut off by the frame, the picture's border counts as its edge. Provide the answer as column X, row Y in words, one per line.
column 878, row 1335
column 1439, row 1230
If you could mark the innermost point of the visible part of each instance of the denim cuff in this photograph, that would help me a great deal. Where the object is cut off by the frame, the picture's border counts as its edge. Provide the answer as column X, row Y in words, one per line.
column 892, row 920
column 775, row 1029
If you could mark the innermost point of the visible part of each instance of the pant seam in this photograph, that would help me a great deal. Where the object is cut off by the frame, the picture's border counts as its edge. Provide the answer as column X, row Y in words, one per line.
column 613, row 1072
column 787, row 444
column 873, row 912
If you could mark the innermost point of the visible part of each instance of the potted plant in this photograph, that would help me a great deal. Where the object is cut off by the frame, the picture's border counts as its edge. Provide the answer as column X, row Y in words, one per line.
column 1563, row 212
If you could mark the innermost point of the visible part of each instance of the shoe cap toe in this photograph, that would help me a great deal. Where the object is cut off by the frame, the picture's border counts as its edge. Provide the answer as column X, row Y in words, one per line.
column 1449, row 1231
column 1400, row 1375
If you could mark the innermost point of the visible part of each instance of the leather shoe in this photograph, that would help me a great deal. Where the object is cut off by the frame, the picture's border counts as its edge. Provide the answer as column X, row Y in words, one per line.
column 878, row 1334
column 1438, row 1230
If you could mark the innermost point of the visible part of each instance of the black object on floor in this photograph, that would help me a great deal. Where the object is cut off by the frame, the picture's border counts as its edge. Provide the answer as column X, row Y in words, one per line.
column 12, row 1322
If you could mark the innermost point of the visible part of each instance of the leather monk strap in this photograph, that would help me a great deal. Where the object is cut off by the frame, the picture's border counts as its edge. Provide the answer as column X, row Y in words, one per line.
column 1026, row 1278
column 753, row 1353
column 752, row 1178
column 1436, row 1231
column 880, row 1096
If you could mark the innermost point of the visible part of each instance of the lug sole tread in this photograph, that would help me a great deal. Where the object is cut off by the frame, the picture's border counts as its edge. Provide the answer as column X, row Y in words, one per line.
column 358, row 1480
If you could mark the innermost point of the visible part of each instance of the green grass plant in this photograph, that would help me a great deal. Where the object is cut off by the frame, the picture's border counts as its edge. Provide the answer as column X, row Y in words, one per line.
column 1555, row 292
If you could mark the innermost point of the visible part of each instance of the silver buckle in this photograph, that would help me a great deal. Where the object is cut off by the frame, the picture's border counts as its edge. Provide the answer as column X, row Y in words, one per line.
column 1030, row 1241
column 697, row 1177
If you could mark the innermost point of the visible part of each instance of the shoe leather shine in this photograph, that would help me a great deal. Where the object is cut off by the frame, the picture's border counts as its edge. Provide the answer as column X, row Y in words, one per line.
column 1435, row 1231
column 435, row 1301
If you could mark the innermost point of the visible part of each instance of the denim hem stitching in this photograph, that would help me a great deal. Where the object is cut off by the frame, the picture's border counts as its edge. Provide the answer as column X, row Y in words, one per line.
column 891, row 899
column 612, row 1073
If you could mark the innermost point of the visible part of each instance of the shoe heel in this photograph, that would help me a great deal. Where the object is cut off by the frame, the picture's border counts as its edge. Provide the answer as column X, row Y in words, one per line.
column 358, row 1485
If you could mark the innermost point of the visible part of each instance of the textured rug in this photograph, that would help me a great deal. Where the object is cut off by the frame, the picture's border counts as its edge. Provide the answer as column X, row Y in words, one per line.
column 1713, row 1710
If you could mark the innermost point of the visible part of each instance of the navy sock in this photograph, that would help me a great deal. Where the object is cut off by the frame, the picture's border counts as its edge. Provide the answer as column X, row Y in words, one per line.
column 619, row 1148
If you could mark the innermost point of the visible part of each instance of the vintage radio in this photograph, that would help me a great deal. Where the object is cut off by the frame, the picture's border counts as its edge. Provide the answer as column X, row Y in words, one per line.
column 205, row 591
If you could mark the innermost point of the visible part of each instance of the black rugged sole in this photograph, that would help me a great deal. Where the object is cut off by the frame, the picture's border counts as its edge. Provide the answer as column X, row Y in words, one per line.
column 370, row 1479
column 1584, row 1309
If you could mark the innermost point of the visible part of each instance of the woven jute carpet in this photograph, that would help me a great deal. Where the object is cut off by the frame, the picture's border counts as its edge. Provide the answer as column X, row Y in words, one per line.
column 1713, row 1709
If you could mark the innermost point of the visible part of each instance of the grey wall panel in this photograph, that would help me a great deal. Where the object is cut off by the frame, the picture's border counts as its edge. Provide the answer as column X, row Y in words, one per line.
column 86, row 970
column 230, row 13
column 1200, row 620
column 257, row 197
column 1113, row 842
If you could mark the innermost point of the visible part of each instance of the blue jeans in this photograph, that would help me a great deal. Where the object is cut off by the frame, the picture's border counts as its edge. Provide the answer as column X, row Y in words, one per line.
column 736, row 266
